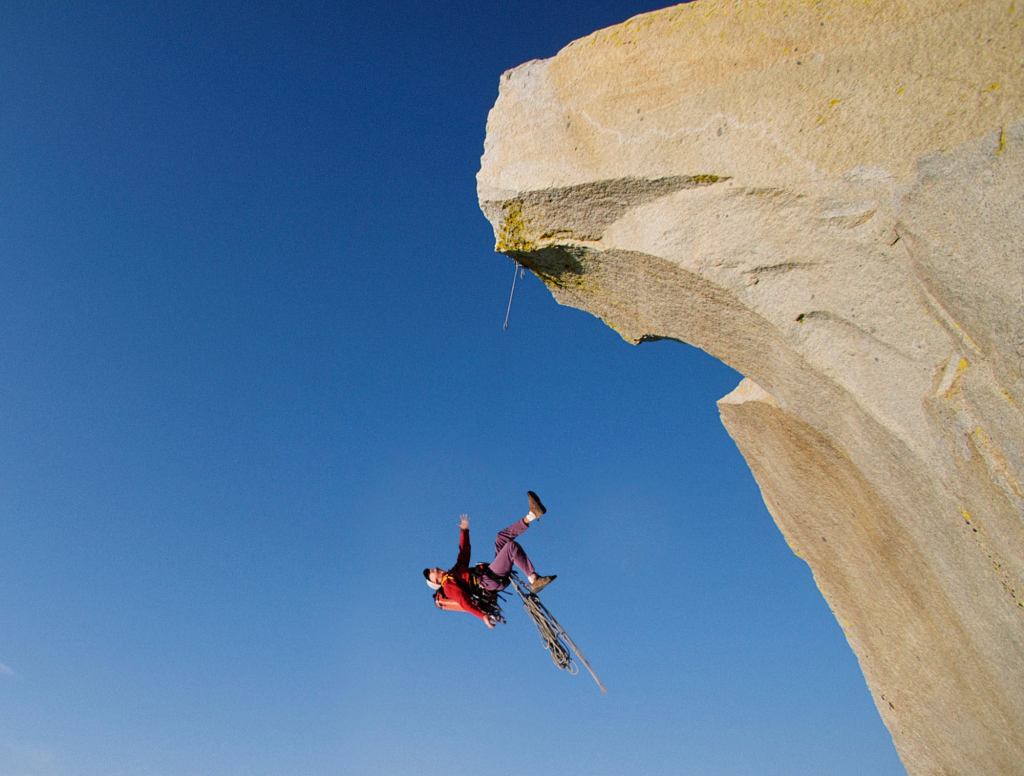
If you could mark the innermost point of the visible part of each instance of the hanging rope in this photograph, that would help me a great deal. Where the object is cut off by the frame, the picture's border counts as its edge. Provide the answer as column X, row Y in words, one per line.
column 549, row 632
column 556, row 640
column 508, row 310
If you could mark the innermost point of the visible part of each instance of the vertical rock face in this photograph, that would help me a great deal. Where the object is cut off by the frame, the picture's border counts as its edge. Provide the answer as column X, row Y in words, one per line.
column 829, row 197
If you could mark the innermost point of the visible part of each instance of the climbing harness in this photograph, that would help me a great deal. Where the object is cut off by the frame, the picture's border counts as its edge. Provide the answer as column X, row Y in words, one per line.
column 556, row 640
column 487, row 601
column 518, row 272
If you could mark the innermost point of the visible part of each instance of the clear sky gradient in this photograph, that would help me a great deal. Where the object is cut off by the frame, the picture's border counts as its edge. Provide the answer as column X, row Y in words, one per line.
column 251, row 371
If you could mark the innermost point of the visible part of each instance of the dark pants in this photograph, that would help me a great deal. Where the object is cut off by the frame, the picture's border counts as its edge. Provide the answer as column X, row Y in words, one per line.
column 507, row 552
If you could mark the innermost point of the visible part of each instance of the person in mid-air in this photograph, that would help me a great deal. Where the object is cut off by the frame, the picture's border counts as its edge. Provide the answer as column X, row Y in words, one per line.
column 460, row 587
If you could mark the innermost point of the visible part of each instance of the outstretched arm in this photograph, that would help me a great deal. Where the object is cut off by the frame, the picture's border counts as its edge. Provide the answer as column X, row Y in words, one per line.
column 463, row 559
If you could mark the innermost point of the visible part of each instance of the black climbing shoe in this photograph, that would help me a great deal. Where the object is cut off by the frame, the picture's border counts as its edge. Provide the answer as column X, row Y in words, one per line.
column 541, row 582
column 535, row 506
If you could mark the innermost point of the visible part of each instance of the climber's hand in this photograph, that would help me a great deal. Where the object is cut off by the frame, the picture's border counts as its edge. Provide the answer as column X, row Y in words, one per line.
column 463, row 521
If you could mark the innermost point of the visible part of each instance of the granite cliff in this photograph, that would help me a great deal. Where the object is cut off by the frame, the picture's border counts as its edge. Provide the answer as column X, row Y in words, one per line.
column 829, row 197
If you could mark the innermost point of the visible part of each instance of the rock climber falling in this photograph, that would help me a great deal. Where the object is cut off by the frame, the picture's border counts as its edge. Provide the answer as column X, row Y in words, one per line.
column 476, row 589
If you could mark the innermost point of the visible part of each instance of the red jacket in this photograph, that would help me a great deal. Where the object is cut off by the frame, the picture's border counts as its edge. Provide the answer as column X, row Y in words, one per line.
column 457, row 583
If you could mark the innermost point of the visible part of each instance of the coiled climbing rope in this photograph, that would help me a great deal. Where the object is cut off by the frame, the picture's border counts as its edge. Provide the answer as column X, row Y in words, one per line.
column 550, row 631
column 556, row 640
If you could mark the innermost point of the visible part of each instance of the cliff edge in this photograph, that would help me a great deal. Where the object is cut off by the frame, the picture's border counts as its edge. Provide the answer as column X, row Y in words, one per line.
column 829, row 197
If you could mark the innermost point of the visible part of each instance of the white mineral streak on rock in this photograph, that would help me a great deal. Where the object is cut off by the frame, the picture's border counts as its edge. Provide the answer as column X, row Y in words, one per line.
column 828, row 196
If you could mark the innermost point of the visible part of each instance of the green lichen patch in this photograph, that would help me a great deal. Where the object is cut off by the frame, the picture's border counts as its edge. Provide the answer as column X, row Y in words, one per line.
column 705, row 179
column 512, row 234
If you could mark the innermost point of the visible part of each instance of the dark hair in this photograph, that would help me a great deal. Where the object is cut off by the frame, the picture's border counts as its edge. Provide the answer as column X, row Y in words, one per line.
column 426, row 574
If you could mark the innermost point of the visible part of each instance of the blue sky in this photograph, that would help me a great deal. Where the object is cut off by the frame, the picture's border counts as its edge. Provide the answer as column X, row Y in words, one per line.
column 251, row 371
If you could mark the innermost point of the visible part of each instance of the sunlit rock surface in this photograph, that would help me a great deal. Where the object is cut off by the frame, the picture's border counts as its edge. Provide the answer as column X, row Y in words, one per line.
column 829, row 197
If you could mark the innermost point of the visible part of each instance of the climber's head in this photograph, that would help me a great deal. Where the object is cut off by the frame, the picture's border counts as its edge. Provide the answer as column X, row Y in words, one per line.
column 433, row 577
